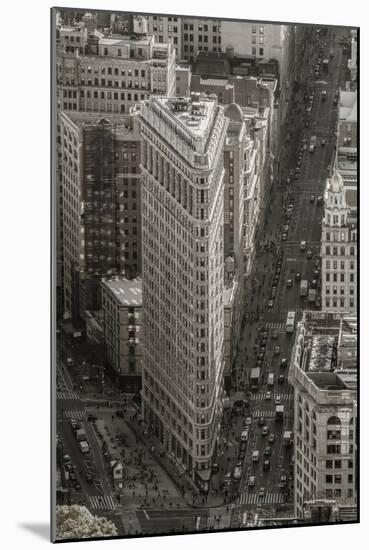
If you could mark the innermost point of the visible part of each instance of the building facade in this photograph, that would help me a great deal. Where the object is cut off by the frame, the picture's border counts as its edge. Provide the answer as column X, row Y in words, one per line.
column 106, row 76
column 122, row 324
column 183, row 277
column 101, row 205
column 324, row 396
column 338, row 251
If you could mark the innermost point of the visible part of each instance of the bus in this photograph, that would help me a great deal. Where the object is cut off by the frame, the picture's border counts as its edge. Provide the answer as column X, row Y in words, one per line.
column 290, row 323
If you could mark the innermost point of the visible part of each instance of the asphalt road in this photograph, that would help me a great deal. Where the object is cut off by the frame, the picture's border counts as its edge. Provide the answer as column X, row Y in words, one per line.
column 304, row 225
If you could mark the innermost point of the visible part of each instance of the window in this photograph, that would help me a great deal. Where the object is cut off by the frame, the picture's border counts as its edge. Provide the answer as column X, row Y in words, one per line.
column 329, row 478
column 253, row 40
column 329, row 464
column 261, row 51
column 253, row 29
column 253, row 51
column 261, row 39
column 261, row 30
column 327, row 277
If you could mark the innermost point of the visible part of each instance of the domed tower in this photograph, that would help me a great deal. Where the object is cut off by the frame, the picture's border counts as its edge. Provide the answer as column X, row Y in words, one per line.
column 335, row 207
column 338, row 250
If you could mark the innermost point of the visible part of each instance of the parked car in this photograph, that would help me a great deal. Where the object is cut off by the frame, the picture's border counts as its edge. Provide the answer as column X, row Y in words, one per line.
column 277, row 350
column 270, row 304
column 251, row 482
column 271, row 438
column 277, row 399
column 265, row 430
column 262, row 492
column 261, row 421
column 283, row 363
column 267, row 451
column 266, row 465
column 281, row 378
column 268, row 395
column 289, row 283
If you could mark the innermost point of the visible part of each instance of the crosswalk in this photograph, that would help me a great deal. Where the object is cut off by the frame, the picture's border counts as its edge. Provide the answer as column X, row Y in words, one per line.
column 75, row 414
column 102, row 503
column 276, row 325
column 264, row 414
column 66, row 395
column 254, row 498
column 261, row 396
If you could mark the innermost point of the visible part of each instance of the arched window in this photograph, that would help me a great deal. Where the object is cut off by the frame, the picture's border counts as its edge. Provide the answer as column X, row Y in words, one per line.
column 333, row 420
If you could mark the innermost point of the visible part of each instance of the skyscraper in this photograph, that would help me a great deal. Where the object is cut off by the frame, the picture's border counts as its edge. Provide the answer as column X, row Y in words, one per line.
column 183, row 276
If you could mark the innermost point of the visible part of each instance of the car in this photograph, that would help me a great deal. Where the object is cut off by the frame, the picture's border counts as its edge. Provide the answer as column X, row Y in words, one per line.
column 261, row 492
column 261, row 421
column 265, row 430
column 270, row 304
column 89, row 478
column 251, row 481
column 69, row 361
column 241, row 454
column 288, row 180
column 268, row 395
column 266, row 465
column 261, row 356
column 265, row 334
column 237, row 472
column 314, row 284
column 289, row 283
column 267, row 451
column 273, row 293
column 72, row 476
column 69, row 467
column 77, row 486
column 248, row 421
column 279, row 263
column 275, row 281
column 281, row 378
column 284, row 236
column 312, row 198
column 67, row 458
column 277, row 350
column 283, row 363
column 262, row 349
column 275, row 335
column 298, row 277
column 255, row 456
column 303, row 245
column 316, row 273
column 271, row 438
column 283, row 478
column 277, row 399
column 278, row 270
column 305, row 147
column 335, row 101
column 323, row 142
column 227, row 479
column 309, row 254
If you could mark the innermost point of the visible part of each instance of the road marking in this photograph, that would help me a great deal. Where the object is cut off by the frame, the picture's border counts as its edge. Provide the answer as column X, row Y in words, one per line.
column 146, row 514
column 198, row 523
column 102, row 502
column 244, row 518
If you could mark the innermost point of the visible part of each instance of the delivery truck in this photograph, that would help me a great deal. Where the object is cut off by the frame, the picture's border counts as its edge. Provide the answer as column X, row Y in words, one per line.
column 255, row 378
column 303, row 288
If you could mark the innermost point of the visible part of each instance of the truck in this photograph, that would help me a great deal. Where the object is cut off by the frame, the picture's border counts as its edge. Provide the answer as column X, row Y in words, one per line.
column 287, row 438
column 312, row 295
column 290, row 322
column 279, row 413
column 304, row 287
column 312, row 144
column 255, row 378
column 270, row 379
column 325, row 64
column 81, row 435
column 84, row 447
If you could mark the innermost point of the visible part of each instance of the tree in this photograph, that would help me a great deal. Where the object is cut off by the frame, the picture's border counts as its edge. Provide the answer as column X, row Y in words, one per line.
column 76, row 522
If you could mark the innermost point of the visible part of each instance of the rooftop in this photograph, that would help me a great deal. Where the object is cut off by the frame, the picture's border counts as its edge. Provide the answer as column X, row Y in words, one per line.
column 193, row 113
column 128, row 292
column 348, row 106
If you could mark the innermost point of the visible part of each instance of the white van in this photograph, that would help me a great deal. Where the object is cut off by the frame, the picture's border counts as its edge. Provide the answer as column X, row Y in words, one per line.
column 271, row 379
column 303, row 245
column 255, row 456
column 245, row 435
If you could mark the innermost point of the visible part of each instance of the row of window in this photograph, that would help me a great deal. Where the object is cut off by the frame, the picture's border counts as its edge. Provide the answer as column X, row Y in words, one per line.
column 334, row 277
column 339, row 251
column 116, row 96
column 112, row 70
column 342, row 302
column 342, row 290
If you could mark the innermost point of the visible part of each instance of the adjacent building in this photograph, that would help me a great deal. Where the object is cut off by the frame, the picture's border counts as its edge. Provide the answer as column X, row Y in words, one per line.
column 101, row 205
column 325, row 392
column 338, row 250
column 121, row 301
column 106, row 76
column 182, row 167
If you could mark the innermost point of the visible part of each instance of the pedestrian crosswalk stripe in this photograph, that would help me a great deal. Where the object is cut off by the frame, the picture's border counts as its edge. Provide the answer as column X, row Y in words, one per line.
column 265, row 414
column 76, row 414
column 254, row 498
column 275, row 325
column 102, row 503
column 261, row 396
column 66, row 395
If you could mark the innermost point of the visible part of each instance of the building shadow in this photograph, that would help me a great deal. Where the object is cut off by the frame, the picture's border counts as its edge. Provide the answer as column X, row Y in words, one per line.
column 42, row 530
